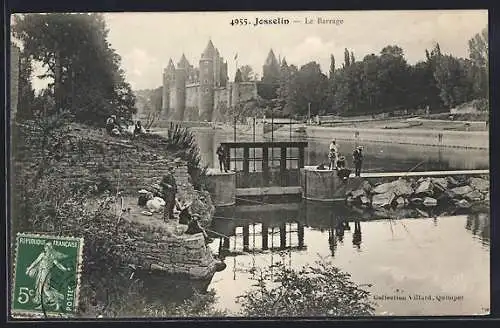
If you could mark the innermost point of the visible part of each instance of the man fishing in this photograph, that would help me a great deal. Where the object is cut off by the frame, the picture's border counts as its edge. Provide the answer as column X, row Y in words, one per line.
column 221, row 154
column 333, row 155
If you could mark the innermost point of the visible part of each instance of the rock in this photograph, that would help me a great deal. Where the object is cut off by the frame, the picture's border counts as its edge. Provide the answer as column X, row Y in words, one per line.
column 429, row 201
column 452, row 181
column 441, row 183
column 349, row 199
column 416, row 201
column 425, row 187
column 480, row 184
column 402, row 187
column 365, row 201
column 400, row 202
column 473, row 196
column 382, row 189
column 366, row 186
column 382, row 200
column 463, row 204
column 422, row 213
column 358, row 193
column 460, row 191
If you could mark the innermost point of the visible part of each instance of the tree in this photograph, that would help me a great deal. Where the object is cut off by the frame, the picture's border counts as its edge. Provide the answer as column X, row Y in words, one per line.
column 332, row 67
column 246, row 73
column 84, row 70
column 346, row 58
column 452, row 77
column 26, row 91
column 309, row 85
column 237, row 76
column 478, row 54
column 353, row 60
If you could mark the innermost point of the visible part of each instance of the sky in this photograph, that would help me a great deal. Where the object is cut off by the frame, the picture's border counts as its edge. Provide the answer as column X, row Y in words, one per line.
column 146, row 41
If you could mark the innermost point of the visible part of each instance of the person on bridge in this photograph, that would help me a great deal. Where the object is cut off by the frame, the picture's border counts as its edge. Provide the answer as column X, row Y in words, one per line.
column 357, row 156
column 221, row 154
column 333, row 155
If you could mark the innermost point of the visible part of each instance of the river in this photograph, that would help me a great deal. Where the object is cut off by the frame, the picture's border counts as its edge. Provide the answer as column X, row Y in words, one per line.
column 406, row 260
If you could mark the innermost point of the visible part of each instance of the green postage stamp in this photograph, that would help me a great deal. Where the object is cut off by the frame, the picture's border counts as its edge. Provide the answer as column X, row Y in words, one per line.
column 46, row 275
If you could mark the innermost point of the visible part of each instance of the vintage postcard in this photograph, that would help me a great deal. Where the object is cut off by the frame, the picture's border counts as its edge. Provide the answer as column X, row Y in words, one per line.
column 250, row 164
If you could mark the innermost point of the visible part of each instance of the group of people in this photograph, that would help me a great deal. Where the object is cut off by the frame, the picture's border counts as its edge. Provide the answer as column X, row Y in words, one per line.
column 115, row 128
column 338, row 161
column 164, row 194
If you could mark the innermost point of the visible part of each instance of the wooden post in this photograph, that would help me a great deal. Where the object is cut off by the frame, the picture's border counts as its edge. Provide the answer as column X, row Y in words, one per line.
column 246, row 237
column 283, row 236
column 283, row 174
column 301, row 157
column 246, row 166
column 265, row 236
column 265, row 166
column 300, row 228
column 227, row 151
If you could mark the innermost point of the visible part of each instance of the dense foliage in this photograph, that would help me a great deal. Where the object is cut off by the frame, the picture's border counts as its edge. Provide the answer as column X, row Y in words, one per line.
column 83, row 70
column 316, row 290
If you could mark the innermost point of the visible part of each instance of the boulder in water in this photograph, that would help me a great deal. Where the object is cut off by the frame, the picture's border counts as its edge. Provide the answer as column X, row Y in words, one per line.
column 358, row 193
column 400, row 202
column 382, row 200
column 473, row 196
column 463, row 203
column 425, row 187
column 452, row 181
column 365, row 201
column 416, row 201
column 382, row 189
column 441, row 183
column 429, row 201
column 401, row 187
column 460, row 191
column 422, row 213
column 479, row 184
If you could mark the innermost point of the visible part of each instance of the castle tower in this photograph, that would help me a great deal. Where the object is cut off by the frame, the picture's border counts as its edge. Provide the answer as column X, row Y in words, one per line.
column 168, row 81
column 271, row 69
column 180, row 89
column 217, row 62
column 207, row 77
column 235, row 90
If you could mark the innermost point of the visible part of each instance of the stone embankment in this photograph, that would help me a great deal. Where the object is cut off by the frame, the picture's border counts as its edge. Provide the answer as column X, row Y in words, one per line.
column 423, row 195
column 91, row 157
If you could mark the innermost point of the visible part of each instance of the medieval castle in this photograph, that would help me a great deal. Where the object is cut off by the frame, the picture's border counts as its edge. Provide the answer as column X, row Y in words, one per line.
column 198, row 93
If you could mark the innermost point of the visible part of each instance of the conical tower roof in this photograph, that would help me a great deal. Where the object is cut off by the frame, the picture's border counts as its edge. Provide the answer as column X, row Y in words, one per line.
column 171, row 65
column 183, row 63
column 209, row 50
column 271, row 59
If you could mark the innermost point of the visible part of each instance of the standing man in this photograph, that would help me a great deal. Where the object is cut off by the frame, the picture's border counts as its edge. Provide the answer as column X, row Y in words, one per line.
column 221, row 154
column 333, row 155
column 357, row 156
column 169, row 189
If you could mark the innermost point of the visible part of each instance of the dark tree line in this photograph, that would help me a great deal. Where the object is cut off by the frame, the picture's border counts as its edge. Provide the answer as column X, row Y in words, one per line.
column 85, row 71
column 385, row 82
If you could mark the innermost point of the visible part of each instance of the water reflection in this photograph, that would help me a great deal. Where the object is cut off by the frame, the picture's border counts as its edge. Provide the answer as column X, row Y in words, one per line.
column 387, row 253
column 479, row 225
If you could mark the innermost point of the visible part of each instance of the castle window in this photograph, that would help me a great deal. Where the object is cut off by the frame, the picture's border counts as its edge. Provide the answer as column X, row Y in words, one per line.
column 206, row 90
column 205, row 81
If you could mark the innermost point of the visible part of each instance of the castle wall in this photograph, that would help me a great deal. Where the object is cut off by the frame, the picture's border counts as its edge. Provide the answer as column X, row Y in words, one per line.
column 165, row 100
column 222, row 98
column 247, row 91
column 191, row 112
column 180, row 95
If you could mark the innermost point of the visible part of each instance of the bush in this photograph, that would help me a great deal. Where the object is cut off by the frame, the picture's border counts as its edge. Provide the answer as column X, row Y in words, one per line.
column 322, row 290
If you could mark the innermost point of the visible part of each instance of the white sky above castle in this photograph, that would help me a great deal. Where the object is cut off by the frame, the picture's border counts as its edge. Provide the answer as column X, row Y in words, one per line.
column 146, row 41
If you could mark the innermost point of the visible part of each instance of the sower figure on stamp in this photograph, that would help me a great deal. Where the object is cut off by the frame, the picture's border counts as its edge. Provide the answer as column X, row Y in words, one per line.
column 357, row 157
column 169, row 188
column 41, row 269
column 221, row 154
